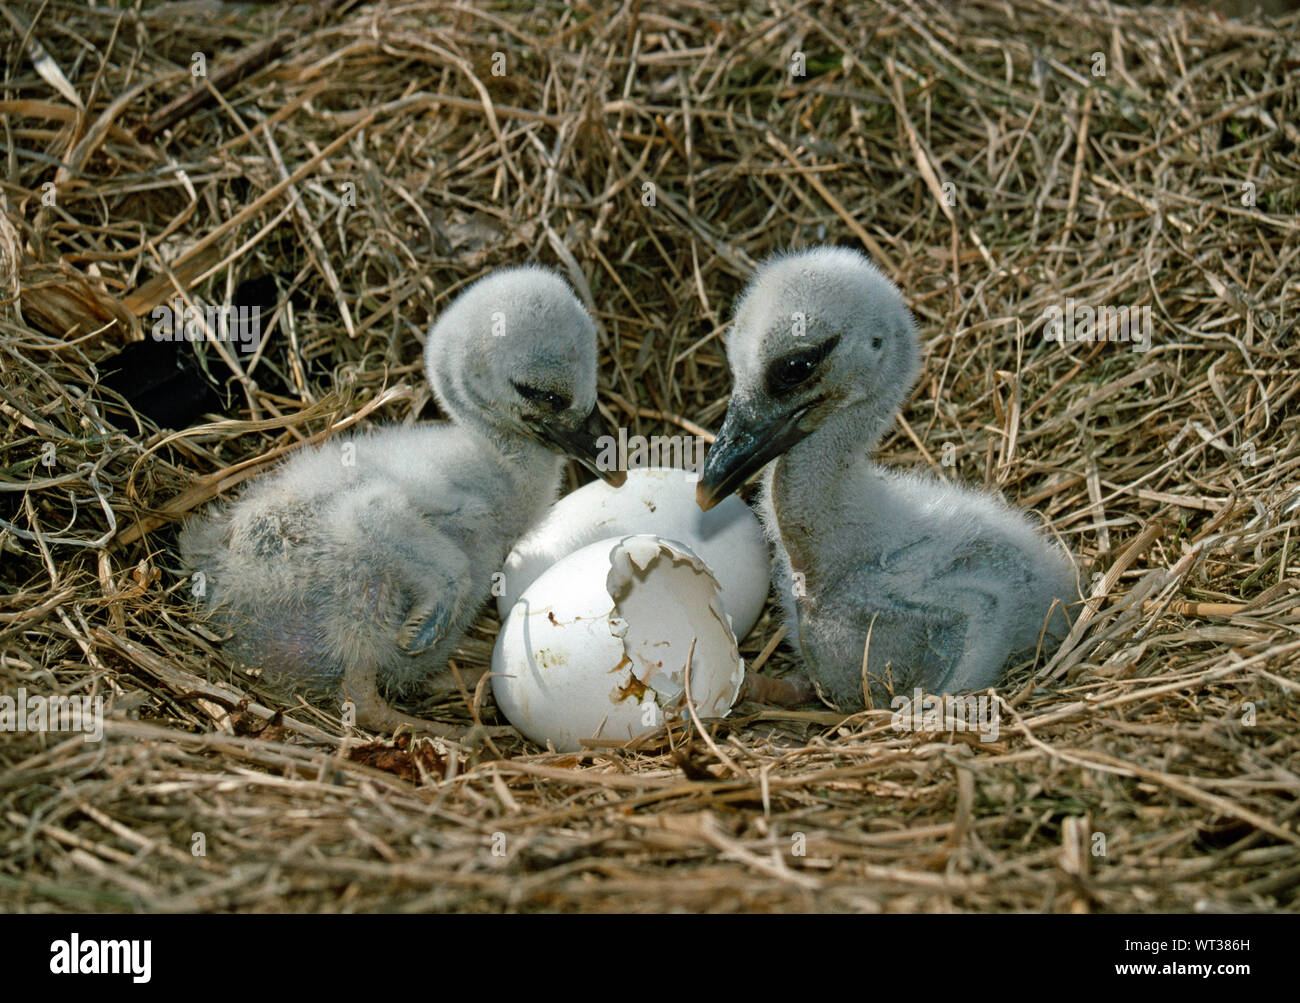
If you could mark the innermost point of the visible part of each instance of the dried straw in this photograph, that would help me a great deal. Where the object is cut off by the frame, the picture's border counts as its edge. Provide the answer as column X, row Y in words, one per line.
column 1150, row 765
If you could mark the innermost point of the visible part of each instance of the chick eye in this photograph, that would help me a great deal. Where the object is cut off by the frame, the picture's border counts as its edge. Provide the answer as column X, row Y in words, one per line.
column 787, row 373
column 535, row 395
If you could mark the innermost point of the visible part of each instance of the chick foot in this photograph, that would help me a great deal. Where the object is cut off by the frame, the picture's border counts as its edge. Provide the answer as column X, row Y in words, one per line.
column 375, row 713
column 789, row 692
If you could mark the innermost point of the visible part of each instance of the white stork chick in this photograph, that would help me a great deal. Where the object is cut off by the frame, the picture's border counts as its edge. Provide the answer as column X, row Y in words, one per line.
column 363, row 562
column 925, row 584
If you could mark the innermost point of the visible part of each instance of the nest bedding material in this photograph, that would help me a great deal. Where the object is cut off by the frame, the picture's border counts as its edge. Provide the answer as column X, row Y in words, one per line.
column 349, row 167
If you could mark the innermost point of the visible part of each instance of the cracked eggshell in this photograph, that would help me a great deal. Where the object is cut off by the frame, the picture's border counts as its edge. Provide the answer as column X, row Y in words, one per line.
column 658, row 500
column 597, row 644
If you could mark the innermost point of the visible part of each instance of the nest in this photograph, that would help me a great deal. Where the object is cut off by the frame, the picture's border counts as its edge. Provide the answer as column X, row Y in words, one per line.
column 352, row 166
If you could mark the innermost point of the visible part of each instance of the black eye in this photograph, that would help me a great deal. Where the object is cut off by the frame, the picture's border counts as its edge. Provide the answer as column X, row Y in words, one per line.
column 786, row 373
column 556, row 402
column 790, row 372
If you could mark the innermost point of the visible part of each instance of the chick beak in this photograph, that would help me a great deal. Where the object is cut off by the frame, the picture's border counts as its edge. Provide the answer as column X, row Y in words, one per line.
column 580, row 443
column 744, row 445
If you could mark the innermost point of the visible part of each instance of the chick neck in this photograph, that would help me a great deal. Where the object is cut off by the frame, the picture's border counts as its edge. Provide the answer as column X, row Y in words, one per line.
column 817, row 486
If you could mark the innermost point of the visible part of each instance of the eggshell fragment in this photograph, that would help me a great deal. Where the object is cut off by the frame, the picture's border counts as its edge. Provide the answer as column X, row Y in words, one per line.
column 597, row 646
column 661, row 501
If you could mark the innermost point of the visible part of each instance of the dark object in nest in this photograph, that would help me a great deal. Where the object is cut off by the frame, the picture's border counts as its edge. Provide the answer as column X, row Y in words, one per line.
column 162, row 381
column 167, row 382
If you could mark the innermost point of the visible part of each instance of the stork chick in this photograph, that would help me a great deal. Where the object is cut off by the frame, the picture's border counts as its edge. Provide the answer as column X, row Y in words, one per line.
column 364, row 561
column 889, row 580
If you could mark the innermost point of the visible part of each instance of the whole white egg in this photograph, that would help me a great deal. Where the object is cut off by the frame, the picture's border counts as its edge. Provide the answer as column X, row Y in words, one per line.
column 661, row 501
column 597, row 645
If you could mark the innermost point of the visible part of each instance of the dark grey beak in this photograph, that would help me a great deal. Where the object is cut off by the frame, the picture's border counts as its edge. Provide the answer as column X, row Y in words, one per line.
column 745, row 444
column 581, row 443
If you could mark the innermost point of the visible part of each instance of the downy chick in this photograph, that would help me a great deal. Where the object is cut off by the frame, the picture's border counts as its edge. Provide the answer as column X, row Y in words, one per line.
column 949, row 584
column 364, row 561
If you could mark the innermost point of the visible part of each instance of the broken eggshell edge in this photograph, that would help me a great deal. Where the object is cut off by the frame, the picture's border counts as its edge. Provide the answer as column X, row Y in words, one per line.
column 598, row 644
column 658, row 501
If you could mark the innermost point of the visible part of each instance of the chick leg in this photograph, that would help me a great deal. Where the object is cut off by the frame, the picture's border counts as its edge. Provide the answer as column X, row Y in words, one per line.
column 376, row 714
column 789, row 692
